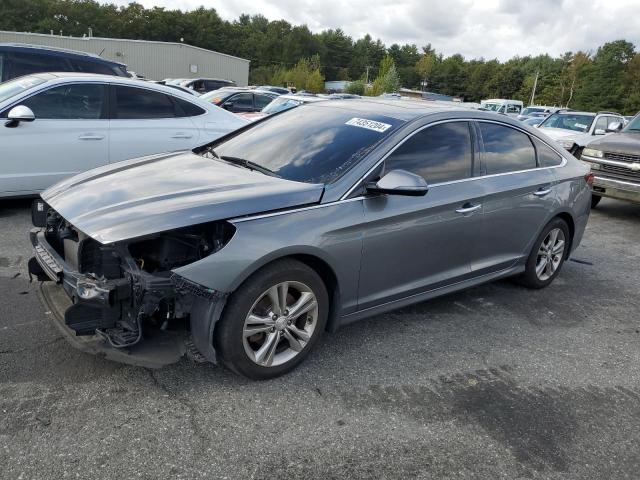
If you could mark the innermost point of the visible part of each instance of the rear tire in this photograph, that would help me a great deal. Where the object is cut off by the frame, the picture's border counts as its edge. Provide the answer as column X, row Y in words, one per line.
column 547, row 256
column 595, row 200
column 273, row 320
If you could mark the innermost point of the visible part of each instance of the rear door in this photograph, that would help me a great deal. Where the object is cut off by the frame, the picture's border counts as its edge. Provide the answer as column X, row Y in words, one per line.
column 70, row 134
column 144, row 122
column 415, row 244
column 519, row 192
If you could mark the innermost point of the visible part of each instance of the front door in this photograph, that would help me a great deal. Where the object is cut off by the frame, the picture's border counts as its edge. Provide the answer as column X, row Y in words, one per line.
column 69, row 135
column 415, row 244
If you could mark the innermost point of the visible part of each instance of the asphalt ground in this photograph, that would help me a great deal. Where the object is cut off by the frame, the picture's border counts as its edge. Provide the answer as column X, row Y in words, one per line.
column 494, row 382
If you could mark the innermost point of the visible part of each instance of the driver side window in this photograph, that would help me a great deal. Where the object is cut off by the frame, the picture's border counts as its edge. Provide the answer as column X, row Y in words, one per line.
column 68, row 102
column 441, row 153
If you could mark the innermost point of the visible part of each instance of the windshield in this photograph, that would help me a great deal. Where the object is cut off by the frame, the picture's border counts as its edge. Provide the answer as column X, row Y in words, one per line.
column 216, row 96
column 494, row 107
column 313, row 144
column 19, row 85
column 568, row 121
column 634, row 125
column 530, row 110
column 280, row 104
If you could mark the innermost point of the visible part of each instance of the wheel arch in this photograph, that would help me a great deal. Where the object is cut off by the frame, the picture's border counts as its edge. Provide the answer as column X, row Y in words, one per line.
column 569, row 220
column 314, row 259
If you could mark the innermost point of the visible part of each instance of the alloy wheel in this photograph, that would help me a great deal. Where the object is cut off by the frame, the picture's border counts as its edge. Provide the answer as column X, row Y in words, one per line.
column 280, row 323
column 550, row 254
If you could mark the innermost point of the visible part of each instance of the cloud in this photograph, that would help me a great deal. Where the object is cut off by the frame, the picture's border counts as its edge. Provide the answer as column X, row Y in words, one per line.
column 488, row 28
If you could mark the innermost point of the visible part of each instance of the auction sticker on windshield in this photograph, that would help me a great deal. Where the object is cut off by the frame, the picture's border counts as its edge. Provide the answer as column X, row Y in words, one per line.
column 368, row 124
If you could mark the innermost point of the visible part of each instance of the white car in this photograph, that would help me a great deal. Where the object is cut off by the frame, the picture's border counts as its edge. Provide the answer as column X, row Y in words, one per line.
column 55, row 125
column 505, row 106
column 574, row 130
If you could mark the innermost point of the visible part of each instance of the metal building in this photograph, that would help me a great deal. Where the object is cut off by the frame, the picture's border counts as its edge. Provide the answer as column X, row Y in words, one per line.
column 154, row 60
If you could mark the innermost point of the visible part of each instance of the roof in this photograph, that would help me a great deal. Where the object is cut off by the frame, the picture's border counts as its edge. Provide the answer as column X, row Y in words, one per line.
column 66, row 51
column 406, row 110
column 71, row 76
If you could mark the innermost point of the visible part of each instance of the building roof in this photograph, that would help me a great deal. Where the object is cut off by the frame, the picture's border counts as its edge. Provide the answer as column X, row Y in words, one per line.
column 156, row 42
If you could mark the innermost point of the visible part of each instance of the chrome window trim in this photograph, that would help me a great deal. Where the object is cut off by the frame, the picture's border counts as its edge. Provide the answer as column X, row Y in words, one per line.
column 562, row 164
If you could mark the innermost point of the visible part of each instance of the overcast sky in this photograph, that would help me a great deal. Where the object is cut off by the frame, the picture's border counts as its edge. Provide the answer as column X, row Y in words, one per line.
column 474, row 28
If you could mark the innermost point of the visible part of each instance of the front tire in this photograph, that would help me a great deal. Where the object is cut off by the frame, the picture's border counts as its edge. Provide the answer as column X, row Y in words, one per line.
column 273, row 320
column 547, row 255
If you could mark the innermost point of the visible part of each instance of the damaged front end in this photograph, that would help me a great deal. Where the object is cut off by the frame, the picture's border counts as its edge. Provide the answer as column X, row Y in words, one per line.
column 123, row 300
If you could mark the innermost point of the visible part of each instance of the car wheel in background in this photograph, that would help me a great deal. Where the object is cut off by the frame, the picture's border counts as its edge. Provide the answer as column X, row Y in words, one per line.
column 272, row 320
column 595, row 200
column 547, row 255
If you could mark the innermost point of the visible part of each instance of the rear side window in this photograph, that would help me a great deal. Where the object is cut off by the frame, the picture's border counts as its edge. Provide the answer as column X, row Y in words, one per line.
column 188, row 109
column 506, row 149
column 92, row 67
column 441, row 153
column 68, row 102
column 546, row 156
column 28, row 63
column 139, row 103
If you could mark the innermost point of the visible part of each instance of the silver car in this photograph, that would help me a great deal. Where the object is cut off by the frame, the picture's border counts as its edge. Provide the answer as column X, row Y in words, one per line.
column 245, row 250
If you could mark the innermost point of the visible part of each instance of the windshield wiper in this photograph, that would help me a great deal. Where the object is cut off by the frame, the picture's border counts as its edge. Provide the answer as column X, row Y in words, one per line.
column 243, row 162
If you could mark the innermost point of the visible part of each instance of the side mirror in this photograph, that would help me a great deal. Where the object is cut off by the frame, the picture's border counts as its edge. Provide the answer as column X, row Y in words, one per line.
column 228, row 106
column 19, row 114
column 399, row 182
column 614, row 127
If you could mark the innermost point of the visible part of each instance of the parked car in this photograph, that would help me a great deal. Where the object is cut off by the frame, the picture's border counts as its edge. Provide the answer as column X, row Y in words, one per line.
column 204, row 85
column 282, row 103
column 58, row 124
column 271, row 88
column 533, row 121
column 325, row 214
column 17, row 60
column 508, row 107
column 536, row 110
column 182, row 89
column 615, row 163
column 574, row 130
column 240, row 100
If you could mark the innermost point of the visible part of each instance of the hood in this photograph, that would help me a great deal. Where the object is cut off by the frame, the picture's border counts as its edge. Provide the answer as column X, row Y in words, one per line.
column 162, row 192
column 623, row 142
column 561, row 133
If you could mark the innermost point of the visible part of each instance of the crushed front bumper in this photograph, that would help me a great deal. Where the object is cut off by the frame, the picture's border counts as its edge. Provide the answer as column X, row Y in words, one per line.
column 87, row 303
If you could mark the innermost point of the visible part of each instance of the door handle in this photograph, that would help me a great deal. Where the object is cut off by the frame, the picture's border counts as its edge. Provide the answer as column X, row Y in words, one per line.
column 91, row 136
column 468, row 208
column 542, row 192
column 182, row 135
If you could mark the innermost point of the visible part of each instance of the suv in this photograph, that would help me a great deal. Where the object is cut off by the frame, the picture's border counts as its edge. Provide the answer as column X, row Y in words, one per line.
column 615, row 163
column 17, row 60
column 204, row 85
column 574, row 130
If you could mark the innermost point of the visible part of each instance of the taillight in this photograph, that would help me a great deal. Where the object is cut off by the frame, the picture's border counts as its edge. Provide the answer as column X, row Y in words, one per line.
column 589, row 179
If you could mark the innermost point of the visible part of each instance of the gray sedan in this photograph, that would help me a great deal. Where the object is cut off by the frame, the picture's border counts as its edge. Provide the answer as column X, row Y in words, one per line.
column 245, row 250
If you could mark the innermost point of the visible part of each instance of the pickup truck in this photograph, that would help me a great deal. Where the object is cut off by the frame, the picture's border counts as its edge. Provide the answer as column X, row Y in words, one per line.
column 615, row 163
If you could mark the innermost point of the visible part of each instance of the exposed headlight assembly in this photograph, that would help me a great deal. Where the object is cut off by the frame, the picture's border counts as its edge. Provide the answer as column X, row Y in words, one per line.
column 592, row 152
